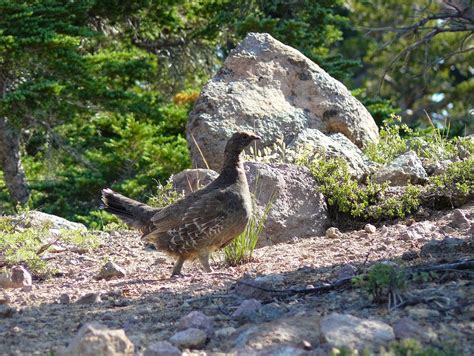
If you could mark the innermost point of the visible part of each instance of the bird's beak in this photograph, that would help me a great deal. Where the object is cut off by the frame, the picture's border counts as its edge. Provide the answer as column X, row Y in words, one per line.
column 255, row 137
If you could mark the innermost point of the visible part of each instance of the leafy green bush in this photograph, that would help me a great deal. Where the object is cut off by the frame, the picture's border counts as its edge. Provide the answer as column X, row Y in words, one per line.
column 453, row 186
column 346, row 195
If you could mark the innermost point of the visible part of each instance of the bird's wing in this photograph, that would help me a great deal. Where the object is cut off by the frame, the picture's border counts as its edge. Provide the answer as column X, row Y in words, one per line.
column 203, row 219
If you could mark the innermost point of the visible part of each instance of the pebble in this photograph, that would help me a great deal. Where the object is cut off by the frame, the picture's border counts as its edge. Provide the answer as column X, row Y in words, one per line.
column 197, row 320
column 191, row 338
column 346, row 271
column 369, row 228
column 89, row 298
column 162, row 348
column 247, row 309
column 111, row 270
column 333, row 232
column 64, row 298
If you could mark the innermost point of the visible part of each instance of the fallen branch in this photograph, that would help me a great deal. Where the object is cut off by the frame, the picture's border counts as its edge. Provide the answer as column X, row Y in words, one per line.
column 346, row 282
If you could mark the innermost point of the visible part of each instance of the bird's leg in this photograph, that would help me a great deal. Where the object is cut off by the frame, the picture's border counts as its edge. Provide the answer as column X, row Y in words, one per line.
column 178, row 265
column 204, row 259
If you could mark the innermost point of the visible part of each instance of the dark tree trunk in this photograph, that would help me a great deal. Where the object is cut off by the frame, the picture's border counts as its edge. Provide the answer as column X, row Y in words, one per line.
column 10, row 161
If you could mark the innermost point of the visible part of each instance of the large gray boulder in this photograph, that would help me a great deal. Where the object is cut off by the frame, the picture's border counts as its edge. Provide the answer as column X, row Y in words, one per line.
column 274, row 90
column 298, row 209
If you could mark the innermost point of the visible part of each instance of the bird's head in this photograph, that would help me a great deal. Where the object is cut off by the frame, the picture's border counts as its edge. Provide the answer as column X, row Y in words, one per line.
column 239, row 141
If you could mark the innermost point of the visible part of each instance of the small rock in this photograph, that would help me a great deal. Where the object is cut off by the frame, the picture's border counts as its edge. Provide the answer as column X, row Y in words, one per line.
column 111, row 270
column 162, row 348
column 460, row 220
column 347, row 331
column 410, row 255
column 369, row 228
column 407, row 328
column 197, row 320
column 448, row 245
column 422, row 313
column 405, row 169
column 17, row 277
column 64, row 299
column 247, row 309
column 89, row 298
column 346, row 271
column 191, row 338
column 96, row 339
column 225, row 332
column 6, row 311
column 333, row 232
column 307, row 345
column 4, row 299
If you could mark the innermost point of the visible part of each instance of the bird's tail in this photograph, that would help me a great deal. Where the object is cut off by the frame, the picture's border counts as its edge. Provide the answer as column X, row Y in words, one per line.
column 132, row 212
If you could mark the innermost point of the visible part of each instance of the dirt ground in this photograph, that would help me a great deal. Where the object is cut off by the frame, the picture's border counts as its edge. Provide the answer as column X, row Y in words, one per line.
column 147, row 303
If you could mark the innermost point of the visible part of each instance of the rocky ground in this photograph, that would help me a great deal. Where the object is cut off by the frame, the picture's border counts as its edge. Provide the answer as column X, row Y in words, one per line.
column 254, row 308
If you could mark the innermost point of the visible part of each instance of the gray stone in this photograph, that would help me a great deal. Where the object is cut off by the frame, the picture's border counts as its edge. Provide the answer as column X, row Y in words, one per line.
column 94, row 339
column 197, row 320
column 247, row 309
column 276, row 91
column 64, row 298
column 333, row 146
column 460, row 220
column 189, row 339
column 16, row 277
column 407, row 328
column 405, row 169
column 369, row 228
column 190, row 180
column 346, row 271
column 347, row 331
column 284, row 331
column 162, row 348
column 443, row 247
column 297, row 209
column 89, row 298
column 39, row 219
column 255, row 288
column 333, row 232
column 111, row 270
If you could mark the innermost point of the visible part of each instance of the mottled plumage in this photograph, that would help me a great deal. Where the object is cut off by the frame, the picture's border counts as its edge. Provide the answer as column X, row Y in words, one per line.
column 200, row 223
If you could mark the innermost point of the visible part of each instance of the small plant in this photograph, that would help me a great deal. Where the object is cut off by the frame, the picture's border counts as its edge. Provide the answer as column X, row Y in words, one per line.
column 396, row 138
column 383, row 282
column 411, row 347
column 165, row 195
column 26, row 245
column 240, row 250
column 456, row 182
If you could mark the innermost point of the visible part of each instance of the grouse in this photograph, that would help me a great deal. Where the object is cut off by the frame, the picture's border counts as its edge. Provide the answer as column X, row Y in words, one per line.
column 200, row 223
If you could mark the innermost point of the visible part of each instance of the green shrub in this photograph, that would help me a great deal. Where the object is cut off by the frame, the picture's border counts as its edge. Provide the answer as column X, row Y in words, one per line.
column 411, row 347
column 381, row 281
column 396, row 138
column 453, row 187
column 367, row 201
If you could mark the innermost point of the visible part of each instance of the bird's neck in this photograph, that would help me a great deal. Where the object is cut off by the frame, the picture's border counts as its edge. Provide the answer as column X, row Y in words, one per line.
column 233, row 169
